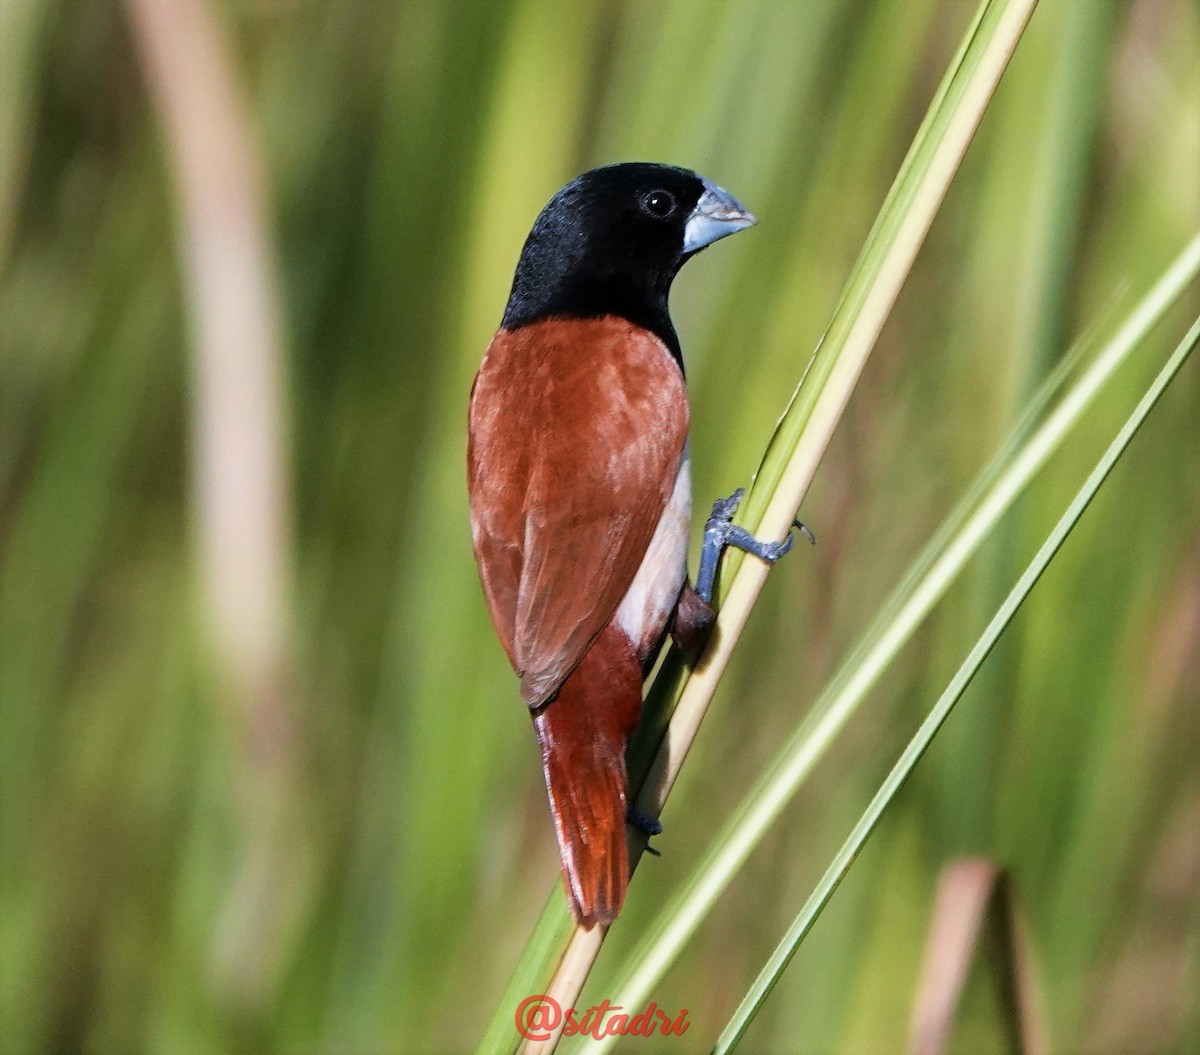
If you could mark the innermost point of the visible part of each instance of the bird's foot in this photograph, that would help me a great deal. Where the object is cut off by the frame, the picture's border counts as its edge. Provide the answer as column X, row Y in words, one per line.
column 720, row 531
column 648, row 826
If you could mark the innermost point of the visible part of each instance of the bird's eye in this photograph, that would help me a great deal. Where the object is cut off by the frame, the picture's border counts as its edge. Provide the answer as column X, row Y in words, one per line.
column 658, row 203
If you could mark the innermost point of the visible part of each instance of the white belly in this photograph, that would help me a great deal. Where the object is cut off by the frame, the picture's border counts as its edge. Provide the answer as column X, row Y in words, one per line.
column 645, row 609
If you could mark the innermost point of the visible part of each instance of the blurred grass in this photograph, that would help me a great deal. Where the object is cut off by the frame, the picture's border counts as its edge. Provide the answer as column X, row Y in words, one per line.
column 409, row 148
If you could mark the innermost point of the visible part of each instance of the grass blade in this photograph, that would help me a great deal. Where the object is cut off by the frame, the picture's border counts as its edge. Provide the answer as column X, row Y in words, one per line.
column 975, row 901
column 761, row 989
column 240, row 473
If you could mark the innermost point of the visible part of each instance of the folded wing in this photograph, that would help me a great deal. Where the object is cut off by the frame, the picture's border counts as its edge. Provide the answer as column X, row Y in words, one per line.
column 576, row 431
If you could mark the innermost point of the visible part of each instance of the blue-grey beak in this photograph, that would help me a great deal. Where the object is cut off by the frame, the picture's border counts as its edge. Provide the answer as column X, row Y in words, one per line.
column 716, row 214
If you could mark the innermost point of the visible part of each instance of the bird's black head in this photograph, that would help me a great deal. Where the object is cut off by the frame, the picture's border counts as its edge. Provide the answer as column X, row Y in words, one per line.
column 612, row 240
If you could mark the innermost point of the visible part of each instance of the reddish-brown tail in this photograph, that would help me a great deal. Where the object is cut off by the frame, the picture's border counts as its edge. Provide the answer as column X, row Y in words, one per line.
column 583, row 733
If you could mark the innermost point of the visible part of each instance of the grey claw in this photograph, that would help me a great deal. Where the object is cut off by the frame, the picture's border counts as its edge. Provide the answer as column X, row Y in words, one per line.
column 724, row 508
column 772, row 551
column 806, row 532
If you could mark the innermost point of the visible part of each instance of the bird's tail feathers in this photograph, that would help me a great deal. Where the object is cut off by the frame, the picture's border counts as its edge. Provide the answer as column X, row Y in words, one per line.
column 583, row 733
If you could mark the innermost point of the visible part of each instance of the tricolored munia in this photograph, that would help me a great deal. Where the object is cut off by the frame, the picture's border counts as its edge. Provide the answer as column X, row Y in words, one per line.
column 580, row 489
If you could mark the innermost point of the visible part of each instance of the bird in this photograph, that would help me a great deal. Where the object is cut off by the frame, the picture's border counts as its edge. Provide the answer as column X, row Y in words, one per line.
column 579, row 486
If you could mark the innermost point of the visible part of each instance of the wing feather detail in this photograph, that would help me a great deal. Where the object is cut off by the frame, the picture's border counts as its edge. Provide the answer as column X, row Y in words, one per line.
column 576, row 432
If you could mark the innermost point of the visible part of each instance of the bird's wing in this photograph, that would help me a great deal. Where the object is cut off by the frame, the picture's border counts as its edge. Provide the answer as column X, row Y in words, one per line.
column 576, row 432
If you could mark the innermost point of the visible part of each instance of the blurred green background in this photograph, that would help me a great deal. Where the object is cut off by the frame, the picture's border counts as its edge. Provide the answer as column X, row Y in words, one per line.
column 348, row 856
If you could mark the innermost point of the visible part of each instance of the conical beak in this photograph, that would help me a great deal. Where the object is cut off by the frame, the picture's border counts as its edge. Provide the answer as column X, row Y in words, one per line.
column 716, row 214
